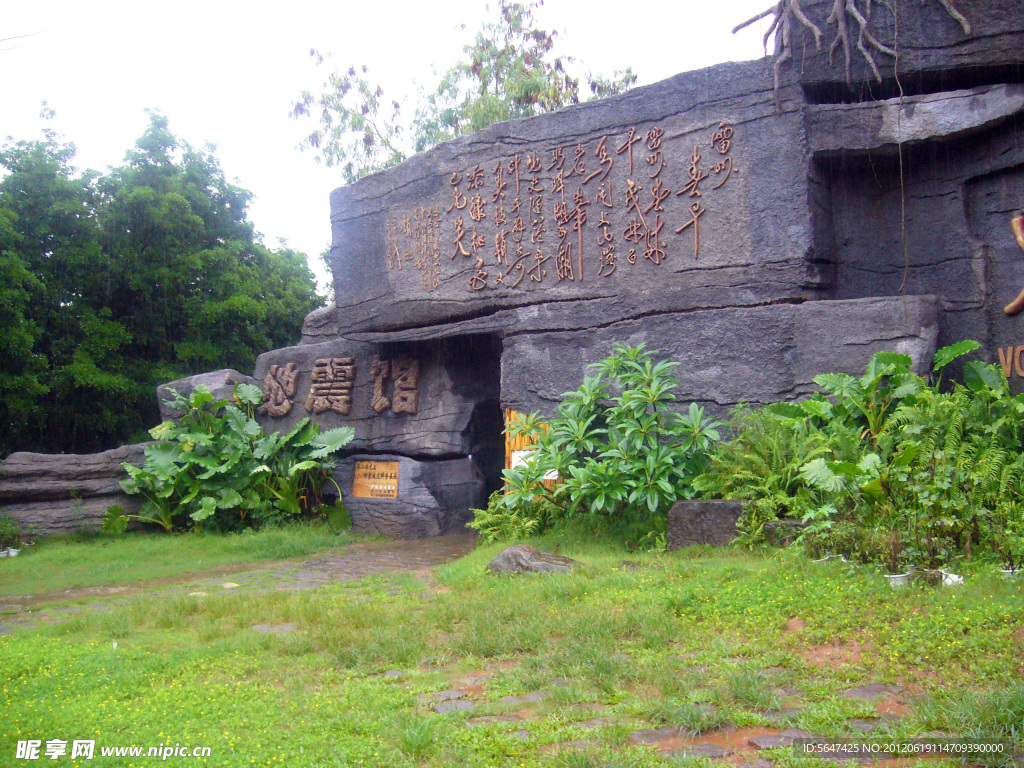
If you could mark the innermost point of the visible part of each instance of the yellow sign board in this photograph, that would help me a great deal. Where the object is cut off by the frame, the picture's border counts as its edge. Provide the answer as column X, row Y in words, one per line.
column 376, row 480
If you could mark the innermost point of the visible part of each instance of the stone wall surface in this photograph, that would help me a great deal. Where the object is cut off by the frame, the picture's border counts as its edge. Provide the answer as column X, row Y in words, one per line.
column 690, row 192
column 434, row 497
column 935, row 52
column 455, row 388
column 727, row 356
column 64, row 493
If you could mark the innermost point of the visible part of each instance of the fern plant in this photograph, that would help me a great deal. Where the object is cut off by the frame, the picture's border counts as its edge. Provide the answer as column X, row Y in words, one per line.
column 761, row 464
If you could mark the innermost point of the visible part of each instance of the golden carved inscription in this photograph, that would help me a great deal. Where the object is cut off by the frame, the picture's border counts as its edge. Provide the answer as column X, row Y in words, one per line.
column 570, row 213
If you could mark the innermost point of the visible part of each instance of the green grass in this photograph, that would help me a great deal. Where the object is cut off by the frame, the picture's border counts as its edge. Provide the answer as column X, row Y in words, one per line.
column 67, row 562
column 690, row 639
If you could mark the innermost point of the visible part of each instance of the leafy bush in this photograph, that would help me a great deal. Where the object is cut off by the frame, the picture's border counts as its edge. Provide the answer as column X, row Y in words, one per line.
column 762, row 464
column 618, row 450
column 893, row 469
column 10, row 533
column 216, row 468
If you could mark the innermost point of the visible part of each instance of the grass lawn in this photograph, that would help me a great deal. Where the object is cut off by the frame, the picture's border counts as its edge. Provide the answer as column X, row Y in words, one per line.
column 575, row 670
column 68, row 562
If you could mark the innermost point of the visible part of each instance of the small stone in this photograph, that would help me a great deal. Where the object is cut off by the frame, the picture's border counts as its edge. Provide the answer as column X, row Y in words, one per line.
column 870, row 724
column 229, row 585
column 522, row 558
column 797, row 734
column 769, row 742
column 452, row 706
column 588, row 706
column 526, row 698
column 578, row 744
column 872, row 691
column 712, row 751
column 492, row 719
column 652, row 735
column 594, row 722
column 197, row 594
column 522, row 735
column 394, row 673
column 782, row 715
column 440, row 696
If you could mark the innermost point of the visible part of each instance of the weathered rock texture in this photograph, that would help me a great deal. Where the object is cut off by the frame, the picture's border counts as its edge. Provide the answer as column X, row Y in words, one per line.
column 703, row 522
column 522, row 558
column 220, row 383
column 758, row 233
column 434, row 497
column 65, row 493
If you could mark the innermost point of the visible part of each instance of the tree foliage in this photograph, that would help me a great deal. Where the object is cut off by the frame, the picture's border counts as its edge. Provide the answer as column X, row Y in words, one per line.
column 510, row 70
column 114, row 283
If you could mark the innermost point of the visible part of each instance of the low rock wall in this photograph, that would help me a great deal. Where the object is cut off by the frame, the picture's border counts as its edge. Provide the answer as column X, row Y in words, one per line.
column 64, row 493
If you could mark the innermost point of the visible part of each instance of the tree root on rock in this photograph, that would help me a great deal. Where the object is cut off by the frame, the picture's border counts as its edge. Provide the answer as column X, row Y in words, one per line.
column 786, row 13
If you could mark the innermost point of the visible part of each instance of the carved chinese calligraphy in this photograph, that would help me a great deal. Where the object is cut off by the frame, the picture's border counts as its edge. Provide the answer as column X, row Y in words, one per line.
column 405, row 374
column 573, row 205
column 278, row 390
column 721, row 141
column 331, row 382
column 417, row 239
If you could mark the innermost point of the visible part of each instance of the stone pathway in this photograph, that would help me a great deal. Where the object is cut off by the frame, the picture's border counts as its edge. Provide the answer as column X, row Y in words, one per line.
column 349, row 564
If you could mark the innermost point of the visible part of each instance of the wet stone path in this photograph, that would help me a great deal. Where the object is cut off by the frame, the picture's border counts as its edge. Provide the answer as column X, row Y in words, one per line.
column 349, row 564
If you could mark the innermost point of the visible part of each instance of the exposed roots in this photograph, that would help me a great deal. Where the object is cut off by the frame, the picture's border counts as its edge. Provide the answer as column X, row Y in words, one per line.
column 846, row 15
column 784, row 13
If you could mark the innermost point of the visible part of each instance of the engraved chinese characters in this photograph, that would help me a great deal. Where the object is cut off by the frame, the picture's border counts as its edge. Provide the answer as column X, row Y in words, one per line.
column 416, row 240
column 573, row 213
column 278, row 389
column 405, row 374
column 331, row 383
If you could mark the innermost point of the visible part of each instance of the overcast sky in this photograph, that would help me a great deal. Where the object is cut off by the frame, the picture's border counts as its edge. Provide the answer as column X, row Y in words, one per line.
column 227, row 72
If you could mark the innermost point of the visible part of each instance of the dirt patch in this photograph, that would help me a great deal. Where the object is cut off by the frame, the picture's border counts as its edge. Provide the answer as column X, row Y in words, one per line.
column 794, row 625
column 832, row 654
column 736, row 740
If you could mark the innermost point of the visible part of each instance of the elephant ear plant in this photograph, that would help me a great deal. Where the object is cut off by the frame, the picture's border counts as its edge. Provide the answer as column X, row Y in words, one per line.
column 216, row 468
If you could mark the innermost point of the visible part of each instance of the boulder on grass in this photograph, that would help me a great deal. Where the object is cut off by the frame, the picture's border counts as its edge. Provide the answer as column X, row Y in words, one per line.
column 522, row 558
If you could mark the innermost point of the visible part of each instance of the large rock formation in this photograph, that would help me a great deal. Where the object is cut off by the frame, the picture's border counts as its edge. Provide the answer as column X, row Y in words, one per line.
column 759, row 222
column 65, row 493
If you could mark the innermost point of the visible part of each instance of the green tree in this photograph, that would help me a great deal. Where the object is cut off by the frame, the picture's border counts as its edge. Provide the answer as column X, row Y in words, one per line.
column 510, row 70
column 20, row 385
column 138, row 276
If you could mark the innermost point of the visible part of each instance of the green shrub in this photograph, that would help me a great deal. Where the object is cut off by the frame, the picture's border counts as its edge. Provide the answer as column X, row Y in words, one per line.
column 616, row 446
column 216, row 468
column 10, row 533
column 762, row 465
column 892, row 469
